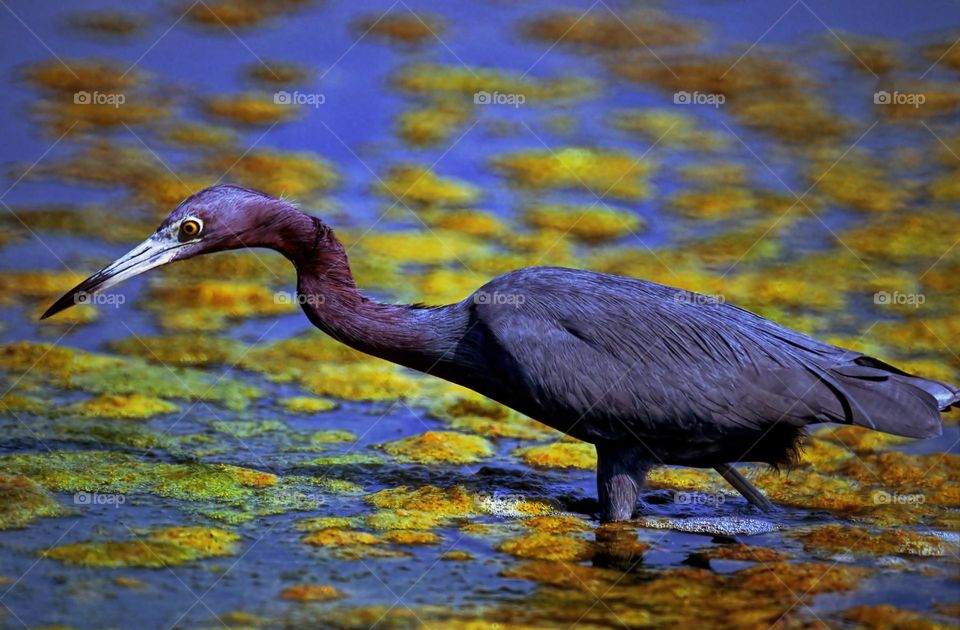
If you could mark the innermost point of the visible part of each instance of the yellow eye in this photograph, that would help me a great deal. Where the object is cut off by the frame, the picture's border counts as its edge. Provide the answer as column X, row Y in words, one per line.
column 190, row 228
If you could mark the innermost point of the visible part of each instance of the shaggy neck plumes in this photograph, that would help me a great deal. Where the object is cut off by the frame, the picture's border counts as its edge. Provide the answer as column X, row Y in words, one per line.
column 412, row 336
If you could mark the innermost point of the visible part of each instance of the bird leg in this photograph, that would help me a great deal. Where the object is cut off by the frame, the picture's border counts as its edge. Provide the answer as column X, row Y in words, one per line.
column 621, row 471
column 744, row 487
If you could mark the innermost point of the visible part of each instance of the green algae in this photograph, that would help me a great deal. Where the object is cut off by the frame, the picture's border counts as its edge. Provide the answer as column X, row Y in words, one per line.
column 22, row 501
column 182, row 350
column 102, row 374
column 157, row 548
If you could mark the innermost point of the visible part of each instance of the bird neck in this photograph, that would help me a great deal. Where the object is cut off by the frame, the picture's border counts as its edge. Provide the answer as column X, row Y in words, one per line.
column 413, row 336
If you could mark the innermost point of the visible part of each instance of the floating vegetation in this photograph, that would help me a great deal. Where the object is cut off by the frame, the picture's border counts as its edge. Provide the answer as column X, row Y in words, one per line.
column 419, row 186
column 561, row 454
column 292, row 174
column 250, row 108
column 437, row 80
column 22, row 501
column 272, row 73
column 545, row 546
column 670, row 129
column 156, row 549
column 402, row 27
column 133, row 406
column 438, row 447
column 208, row 305
column 605, row 30
column 602, row 173
column 842, row 539
column 108, row 23
column 311, row 593
column 434, row 123
column 221, row 15
column 83, row 75
column 590, row 224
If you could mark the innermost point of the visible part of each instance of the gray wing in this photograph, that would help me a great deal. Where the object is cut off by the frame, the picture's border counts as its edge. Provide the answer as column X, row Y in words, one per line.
column 609, row 358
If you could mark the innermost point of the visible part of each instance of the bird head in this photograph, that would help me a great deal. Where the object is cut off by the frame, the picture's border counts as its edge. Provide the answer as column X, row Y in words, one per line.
column 215, row 219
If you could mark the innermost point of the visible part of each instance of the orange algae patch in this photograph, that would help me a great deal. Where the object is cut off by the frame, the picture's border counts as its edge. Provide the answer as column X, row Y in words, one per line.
column 904, row 236
column 407, row 537
column 887, row 617
column 741, row 552
column 547, row 546
column 560, row 455
column 82, row 75
column 557, row 524
column 289, row 174
column 276, row 73
column 22, row 501
column 439, row 80
column 420, row 186
column 440, row 502
column 401, row 27
column 222, row 14
column 862, row 440
column 432, row 124
column 436, row 447
column 843, row 539
column 250, row 108
column 403, row 519
column 340, row 538
column 108, row 23
column 157, row 549
column 617, row 174
column 590, row 224
column 603, row 30
column 311, row 593
column 133, row 406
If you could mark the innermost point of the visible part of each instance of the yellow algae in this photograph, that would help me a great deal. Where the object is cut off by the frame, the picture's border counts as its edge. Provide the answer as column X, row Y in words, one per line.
column 133, row 406
column 117, row 164
column 432, row 124
column 557, row 524
column 102, row 374
column 723, row 202
column 250, row 108
column 516, row 427
column 120, row 24
column 547, row 546
column 129, row 582
column 932, row 334
column 276, row 72
column 99, row 222
column 666, row 128
column 209, row 304
column 860, row 183
column 605, row 30
column 900, row 479
column 361, row 381
column 686, row 479
column 846, row 539
column 590, row 224
column 823, row 455
column 470, row 222
column 289, row 174
column 912, row 100
column 22, row 501
column 407, row 537
column 333, row 537
column 604, row 173
column 162, row 190
column 429, row 247
column 438, row 80
column 754, row 241
column 403, row 27
column 63, row 117
column 809, row 578
column 156, row 549
column 198, row 136
column 420, row 186
column 715, row 173
column 243, row 429
column 793, row 116
column 441, row 502
column 810, row 490
column 308, row 405
column 181, row 350
column 440, row 447
column 311, row 593
column 35, row 285
column 862, row 440
column 872, row 55
column 904, row 236
column 402, row 519
column 318, row 523
column 560, row 455
column 77, row 75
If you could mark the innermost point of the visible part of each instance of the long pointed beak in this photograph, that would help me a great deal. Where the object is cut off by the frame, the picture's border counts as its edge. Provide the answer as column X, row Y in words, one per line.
column 152, row 253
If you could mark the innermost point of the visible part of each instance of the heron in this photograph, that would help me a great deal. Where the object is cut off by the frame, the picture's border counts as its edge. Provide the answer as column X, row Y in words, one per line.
column 649, row 374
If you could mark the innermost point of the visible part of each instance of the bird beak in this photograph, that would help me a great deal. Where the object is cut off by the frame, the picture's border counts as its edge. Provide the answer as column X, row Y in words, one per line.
column 155, row 251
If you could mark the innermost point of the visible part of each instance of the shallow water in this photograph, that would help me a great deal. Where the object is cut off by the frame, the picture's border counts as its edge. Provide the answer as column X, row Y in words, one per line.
column 461, row 528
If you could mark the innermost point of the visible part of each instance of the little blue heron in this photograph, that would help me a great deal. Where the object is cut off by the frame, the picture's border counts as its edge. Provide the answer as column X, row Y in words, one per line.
column 647, row 373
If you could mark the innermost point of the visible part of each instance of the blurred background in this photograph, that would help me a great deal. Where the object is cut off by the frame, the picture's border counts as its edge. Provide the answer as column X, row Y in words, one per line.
column 799, row 159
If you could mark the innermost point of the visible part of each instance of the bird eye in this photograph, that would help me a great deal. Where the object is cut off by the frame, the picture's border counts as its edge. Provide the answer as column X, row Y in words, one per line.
column 190, row 229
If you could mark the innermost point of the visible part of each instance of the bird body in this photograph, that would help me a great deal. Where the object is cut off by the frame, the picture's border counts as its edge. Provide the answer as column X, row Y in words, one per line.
column 649, row 374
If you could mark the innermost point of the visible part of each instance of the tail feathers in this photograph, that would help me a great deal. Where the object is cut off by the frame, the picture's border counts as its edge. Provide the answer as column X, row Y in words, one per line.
column 885, row 399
